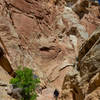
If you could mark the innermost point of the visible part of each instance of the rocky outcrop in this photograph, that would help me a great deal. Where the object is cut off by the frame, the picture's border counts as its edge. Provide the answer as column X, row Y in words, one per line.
column 4, row 63
column 84, row 84
column 45, row 35
column 81, row 8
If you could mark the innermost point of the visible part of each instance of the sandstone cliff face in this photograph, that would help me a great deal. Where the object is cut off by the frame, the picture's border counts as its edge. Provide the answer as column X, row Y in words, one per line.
column 85, row 83
column 45, row 35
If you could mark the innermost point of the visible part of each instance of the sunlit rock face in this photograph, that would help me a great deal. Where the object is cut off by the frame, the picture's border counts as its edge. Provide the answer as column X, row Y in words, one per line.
column 85, row 83
column 45, row 35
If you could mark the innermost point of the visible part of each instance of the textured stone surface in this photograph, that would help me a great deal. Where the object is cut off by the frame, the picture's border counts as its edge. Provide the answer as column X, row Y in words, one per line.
column 85, row 83
column 91, row 19
column 46, row 35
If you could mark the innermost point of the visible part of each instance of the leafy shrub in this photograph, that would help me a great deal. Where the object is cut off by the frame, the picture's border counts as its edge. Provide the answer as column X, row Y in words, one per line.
column 24, row 79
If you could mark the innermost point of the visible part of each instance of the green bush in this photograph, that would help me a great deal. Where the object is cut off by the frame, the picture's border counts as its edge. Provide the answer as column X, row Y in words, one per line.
column 24, row 79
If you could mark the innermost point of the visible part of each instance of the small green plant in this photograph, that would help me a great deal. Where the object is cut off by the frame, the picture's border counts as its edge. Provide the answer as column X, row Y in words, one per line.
column 24, row 79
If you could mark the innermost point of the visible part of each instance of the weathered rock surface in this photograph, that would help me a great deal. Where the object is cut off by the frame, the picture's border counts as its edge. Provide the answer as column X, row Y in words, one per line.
column 85, row 83
column 45, row 35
